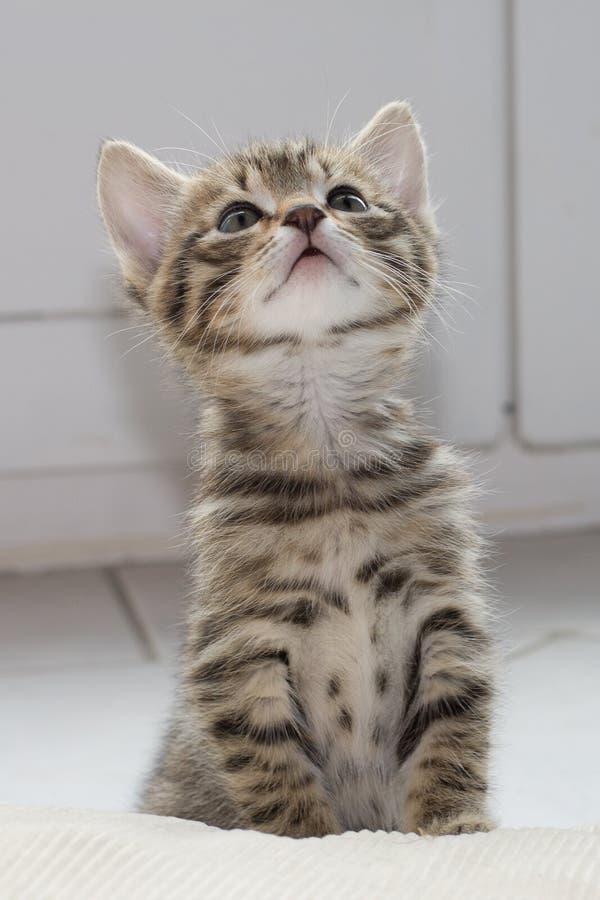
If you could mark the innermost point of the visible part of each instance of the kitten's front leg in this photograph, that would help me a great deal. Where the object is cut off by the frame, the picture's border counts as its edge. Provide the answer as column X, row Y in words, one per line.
column 444, row 742
column 254, row 721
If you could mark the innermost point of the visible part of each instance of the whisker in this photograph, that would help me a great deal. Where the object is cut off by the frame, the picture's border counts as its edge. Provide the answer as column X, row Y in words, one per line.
column 185, row 150
column 129, row 328
column 139, row 344
column 220, row 136
column 199, row 127
column 332, row 120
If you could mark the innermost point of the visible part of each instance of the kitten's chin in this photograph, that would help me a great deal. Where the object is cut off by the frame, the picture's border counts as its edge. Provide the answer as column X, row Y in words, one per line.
column 314, row 299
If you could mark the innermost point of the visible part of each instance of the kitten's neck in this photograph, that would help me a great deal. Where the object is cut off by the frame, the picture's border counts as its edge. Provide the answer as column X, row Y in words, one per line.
column 318, row 404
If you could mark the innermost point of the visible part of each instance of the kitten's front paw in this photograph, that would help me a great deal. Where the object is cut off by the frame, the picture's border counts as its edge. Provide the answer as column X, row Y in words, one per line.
column 463, row 823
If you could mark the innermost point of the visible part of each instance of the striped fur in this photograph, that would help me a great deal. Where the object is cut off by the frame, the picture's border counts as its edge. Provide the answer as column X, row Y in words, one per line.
column 337, row 669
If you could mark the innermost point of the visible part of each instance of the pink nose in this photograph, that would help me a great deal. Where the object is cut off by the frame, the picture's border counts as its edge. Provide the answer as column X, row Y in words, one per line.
column 304, row 216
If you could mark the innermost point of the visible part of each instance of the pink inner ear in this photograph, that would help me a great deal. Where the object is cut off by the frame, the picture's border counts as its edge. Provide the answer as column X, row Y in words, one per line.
column 412, row 187
column 139, row 221
column 147, row 235
column 403, row 168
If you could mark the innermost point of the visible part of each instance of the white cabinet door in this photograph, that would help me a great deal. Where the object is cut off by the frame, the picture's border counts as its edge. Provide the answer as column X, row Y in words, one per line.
column 79, row 73
column 75, row 73
column 88, row 394
column 557, row 82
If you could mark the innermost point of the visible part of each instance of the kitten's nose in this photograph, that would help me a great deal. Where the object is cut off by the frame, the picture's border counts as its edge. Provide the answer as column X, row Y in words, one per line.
column 304, row 216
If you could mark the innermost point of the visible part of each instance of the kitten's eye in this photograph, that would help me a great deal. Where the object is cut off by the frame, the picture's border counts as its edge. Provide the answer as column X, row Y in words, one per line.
column 239, row 218
column 347, row 200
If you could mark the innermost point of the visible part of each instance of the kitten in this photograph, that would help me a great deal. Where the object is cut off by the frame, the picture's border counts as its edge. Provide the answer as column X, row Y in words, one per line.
column 337, row 672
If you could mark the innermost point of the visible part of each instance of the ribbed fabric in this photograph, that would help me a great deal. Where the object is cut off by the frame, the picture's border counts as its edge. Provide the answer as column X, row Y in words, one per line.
column 48, row 854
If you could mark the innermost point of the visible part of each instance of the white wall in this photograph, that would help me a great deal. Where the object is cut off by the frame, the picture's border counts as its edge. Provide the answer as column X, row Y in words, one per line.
column 92, row 461
column 558, row 199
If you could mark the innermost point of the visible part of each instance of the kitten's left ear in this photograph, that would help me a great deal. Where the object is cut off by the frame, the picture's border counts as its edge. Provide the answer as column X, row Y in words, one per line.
column 392, row 145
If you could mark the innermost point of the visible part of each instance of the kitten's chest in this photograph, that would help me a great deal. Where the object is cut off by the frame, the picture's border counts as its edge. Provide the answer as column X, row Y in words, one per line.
column 351, row 662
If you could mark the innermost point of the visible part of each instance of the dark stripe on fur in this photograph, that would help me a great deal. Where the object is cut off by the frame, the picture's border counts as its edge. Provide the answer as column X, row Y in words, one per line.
column 472, row 695
column 381, row 681
column 450, row 618
column 239, row 726
column 175, row 309
column 370, row 568
column 334, row 686
column 398, row 314
column 334, row 599
column 392, row 582
column 454, row 776
column 267, row 813
column 345, row 720
column 315, row 507
column 304, row 613
column 230, row 665
column 238, row 762
column 470, row 702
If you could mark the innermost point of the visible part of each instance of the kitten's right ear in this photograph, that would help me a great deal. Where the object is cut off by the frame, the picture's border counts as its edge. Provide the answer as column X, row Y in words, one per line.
column 137, row 196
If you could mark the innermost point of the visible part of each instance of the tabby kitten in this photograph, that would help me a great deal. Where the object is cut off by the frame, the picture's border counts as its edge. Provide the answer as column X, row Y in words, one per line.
column 337, row 669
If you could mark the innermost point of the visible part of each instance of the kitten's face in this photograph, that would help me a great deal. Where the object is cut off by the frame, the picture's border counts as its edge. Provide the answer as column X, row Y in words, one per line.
column 289, row 242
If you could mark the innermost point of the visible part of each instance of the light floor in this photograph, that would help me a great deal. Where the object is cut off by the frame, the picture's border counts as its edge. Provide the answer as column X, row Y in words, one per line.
column 86, row 663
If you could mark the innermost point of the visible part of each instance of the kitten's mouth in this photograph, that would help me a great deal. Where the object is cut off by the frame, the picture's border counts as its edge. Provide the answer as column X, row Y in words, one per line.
column 310, row 252
column 307, row 253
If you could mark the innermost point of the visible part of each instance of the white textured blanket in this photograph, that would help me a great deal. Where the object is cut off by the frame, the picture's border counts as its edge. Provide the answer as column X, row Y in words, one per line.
column 81, row 855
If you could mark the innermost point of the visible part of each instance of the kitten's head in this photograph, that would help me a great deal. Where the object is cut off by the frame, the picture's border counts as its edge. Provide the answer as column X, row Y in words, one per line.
column 293, row 242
